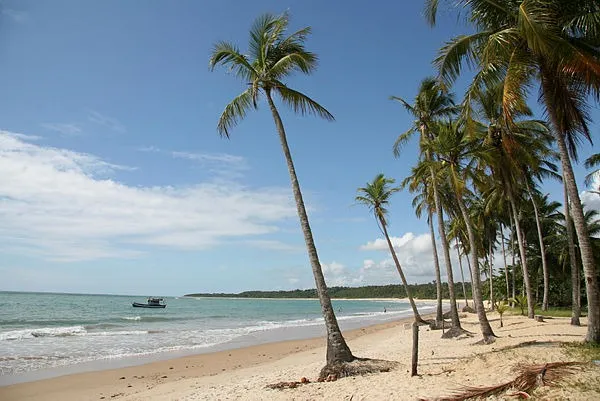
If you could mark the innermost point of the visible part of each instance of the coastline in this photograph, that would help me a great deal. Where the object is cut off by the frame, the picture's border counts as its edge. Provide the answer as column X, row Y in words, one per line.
column 242, row 374
column 99, row 382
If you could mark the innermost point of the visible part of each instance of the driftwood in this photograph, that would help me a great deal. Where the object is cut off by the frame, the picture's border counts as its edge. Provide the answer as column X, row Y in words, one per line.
column 529, row 378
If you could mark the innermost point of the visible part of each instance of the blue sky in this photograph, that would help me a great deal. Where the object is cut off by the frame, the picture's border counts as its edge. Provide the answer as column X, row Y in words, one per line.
column 114, row 179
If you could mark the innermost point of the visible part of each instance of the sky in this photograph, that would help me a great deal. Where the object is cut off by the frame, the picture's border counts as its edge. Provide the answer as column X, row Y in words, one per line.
column 113, row 178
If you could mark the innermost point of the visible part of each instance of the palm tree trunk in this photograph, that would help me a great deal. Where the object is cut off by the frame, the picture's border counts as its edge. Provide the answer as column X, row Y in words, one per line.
column 337, row 349
column 549, row 87
column 486, row 329
column 575, row 280
column 526, row 280
column 583, row 238
column 399, row 268
column 439, row 315
column 512, row 252
column 545, row 272
column 462, row 273
column 470, row 275
column 504, row 257
column 491, row 271
column 456, row 327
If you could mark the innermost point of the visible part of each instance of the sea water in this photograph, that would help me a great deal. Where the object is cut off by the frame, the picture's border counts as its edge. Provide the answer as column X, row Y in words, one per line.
column 43, row 332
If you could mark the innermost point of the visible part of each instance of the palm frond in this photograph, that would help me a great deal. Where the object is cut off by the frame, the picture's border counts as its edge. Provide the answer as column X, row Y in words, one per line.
column 228, row 54
column 430, row 11
column 401, row 141
column 301, row 103
column 303, row 61
column 460, row 49
column 235, row 111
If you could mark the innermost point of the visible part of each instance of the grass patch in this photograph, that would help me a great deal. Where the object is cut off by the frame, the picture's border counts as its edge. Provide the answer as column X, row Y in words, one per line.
column 583, row 351
column 556, row 311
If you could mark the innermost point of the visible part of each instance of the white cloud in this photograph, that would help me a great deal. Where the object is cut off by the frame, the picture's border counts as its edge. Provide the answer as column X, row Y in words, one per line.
column 149, row 149
column 422, row 243
column 69, row 129
column 61, row 205
column 15, row 15
column 108, row 122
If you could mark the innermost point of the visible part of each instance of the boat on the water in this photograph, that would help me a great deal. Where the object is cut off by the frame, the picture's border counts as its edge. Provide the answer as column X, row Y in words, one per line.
column 151, row 303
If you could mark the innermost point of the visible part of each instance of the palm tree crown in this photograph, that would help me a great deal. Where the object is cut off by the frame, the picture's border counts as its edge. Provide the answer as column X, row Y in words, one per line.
column 376, row 196
column 273, row 56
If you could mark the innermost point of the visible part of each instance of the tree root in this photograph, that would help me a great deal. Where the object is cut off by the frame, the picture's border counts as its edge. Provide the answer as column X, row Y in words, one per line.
column 456, row 332
column 357, row 367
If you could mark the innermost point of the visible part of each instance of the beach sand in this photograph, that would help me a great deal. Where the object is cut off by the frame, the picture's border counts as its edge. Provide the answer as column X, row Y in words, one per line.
column 242, row 374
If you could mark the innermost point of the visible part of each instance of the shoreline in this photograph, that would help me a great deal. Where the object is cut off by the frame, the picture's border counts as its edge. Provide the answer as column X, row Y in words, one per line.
column 244, row 373
column 166, row 370
column 314, row 330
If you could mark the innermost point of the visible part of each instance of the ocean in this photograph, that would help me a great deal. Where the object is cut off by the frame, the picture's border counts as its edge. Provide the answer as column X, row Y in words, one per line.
column 45, row 334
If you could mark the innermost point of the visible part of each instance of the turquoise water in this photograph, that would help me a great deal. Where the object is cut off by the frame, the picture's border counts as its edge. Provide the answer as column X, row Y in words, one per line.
column 43, row 331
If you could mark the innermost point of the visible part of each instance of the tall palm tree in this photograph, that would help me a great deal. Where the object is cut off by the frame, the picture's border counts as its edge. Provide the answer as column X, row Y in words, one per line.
column 273, row 56
column 455, row 157
column 420, row 202
column 555, row 42
column 432, row 104
column 376, row 195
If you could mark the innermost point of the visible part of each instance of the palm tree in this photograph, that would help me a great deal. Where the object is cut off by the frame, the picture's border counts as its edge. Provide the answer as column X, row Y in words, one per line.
column 273, row 57
column 376, row 195
column 556, row 43
column 432, row 104
column 455, row 157
column 422, row 201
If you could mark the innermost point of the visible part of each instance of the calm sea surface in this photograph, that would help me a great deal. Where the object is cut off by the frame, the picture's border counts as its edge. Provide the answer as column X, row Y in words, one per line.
column 42, row 331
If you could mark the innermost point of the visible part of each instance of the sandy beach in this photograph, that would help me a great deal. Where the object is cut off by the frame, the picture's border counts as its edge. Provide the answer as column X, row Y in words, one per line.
column 243, row 374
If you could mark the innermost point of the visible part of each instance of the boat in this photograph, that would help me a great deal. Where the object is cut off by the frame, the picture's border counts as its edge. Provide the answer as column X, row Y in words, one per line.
column 151, row 303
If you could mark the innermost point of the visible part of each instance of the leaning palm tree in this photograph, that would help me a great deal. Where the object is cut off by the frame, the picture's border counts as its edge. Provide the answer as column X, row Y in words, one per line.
column 556, row 43
column 421, row 202
column 273, row 56
column 376, row 195
column 432, row 104
column 455, row 154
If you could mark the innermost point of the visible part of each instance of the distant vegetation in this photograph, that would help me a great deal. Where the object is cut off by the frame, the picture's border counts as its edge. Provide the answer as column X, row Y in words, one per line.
column 422, row 291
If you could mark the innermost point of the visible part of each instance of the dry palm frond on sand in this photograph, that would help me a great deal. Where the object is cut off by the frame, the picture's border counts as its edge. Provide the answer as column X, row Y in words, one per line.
column 529, row 377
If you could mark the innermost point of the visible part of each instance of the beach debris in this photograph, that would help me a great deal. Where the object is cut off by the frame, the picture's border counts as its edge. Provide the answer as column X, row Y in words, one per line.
column 529, row 378
column 283, row 385
column 357, row 367
column 122, row 378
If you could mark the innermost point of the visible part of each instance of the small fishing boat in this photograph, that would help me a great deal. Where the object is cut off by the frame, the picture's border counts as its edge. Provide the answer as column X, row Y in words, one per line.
column 151, row 303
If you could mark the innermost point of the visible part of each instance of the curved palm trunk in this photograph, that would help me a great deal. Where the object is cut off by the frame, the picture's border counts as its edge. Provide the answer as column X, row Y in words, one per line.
column 504, row 257
column 491, row 278
column 399, row 268
column 337, row 349
column 575, row 280
column 587, row 257
column 546, row 274
column 456, row 327
column 551, row 91
column 512, row 252
column 462, row 273
column 439, row 316
column 526, row 279
column 486, row 329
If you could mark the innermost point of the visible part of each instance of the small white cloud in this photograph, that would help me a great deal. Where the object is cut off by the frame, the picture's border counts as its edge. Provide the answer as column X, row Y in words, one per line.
column 68, row 129
column 380, row 244
column 108, row 122
column 274, row 245
column 149, row 149
column 211, row 158
column 16, row 15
